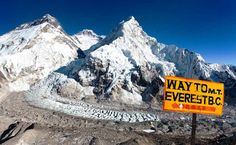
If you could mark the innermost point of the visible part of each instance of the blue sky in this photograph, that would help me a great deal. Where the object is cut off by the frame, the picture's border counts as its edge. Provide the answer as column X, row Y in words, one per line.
column 204, row 26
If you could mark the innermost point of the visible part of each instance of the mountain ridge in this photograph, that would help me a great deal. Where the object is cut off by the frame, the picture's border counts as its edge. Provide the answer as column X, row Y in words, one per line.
column 46, row 18
column 126, row 61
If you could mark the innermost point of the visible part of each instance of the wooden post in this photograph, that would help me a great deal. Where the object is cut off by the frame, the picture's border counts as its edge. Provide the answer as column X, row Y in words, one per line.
column 194, row 126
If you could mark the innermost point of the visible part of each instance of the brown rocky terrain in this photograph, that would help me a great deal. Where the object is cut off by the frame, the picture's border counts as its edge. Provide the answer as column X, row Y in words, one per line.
column 21, row 123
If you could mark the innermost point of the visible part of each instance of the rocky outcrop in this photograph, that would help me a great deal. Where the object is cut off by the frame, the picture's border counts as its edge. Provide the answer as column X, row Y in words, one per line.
column 15, row 129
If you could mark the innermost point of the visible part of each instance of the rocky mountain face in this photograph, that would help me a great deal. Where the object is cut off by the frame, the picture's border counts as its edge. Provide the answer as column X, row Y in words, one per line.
column 126, row 66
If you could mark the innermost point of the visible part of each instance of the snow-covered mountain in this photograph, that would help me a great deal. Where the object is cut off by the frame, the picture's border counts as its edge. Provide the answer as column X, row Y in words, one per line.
column 86, row 38
column 129, row 66
column 126, row 66
column 33, row 50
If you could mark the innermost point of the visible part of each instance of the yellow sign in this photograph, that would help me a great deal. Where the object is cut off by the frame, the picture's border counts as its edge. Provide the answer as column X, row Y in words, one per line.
column 195, row 96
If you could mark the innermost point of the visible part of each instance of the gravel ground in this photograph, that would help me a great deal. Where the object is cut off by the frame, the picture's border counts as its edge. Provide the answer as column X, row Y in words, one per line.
column 40, row 126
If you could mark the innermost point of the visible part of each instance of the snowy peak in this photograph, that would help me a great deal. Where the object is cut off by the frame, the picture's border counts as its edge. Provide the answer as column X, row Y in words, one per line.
column 87, row 32
column 128, row 27
column 27, row 35
column 86, row 38
column 45, row 19
column 50, row 19
column 131, row 32
column 130, row 44
column 32, row 51
column 130, row 23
